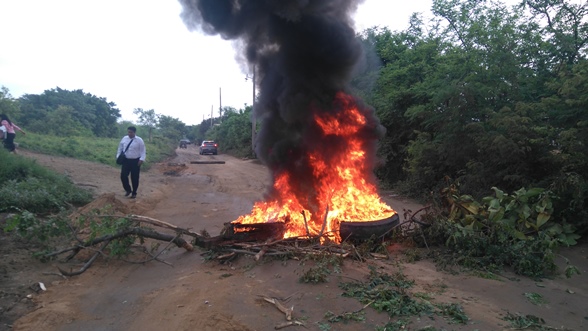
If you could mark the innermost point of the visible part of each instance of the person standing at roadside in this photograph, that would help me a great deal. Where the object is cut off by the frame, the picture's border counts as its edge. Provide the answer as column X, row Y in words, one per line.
column 134, row 149
column 10, row 133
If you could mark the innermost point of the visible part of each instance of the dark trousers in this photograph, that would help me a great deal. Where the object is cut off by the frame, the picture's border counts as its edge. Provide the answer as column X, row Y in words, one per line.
column 9, row 141
column 130, row 166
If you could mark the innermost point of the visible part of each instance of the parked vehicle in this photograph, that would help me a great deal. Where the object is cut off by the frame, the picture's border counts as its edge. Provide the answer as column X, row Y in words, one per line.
column 209, row 147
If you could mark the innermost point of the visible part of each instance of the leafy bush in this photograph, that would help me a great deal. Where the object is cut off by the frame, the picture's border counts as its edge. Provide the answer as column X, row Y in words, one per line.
column 28, row 186
column 32, row 228
column 515, row 230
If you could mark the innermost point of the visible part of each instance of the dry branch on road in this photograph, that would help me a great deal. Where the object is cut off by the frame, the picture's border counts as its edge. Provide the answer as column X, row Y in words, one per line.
column 132, row 231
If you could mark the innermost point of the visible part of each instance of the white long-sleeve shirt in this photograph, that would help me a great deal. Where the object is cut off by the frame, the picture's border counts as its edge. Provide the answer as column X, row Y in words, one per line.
column 136, row 150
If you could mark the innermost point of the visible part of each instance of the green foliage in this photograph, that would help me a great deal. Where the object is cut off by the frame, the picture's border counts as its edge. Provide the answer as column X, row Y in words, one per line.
column 61, row 112
column 487, row 94
column 234, row 133
column 27, row 186
column 535, row 298
column 386, row 293
column 527, row 322
column 452, row 312
column 103, row 226
column 358, row 316
column 40, row 231
column 515, row 230
column 172, row 128
column 391, row 294
column 398, row 325
column 324, row 265
column 8, row 105
column 149, row 119
column 100, row 150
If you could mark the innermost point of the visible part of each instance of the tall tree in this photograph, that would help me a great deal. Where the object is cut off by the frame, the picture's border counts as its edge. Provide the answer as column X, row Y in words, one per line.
column 171, row 127
column 565, row 28
column 148, row 118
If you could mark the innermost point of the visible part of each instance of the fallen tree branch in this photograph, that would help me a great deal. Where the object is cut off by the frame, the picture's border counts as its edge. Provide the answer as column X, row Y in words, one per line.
column 343, row 315
column 153, row 221
column 305, row 223
column 154, row 257
column 127, row 232
column 261, row 253
column 324, row 222
column 286, row 311
column 287, row 324
column 87, row 265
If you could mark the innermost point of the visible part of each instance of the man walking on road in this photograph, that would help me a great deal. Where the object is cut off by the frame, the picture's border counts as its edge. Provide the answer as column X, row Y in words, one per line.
column 133, row 147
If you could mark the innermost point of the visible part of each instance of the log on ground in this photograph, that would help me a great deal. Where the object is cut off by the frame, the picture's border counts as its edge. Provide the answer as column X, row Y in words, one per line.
column 207, row 162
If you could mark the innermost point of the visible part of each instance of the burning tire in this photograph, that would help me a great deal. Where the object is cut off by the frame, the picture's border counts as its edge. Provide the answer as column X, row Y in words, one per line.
column 360, row 231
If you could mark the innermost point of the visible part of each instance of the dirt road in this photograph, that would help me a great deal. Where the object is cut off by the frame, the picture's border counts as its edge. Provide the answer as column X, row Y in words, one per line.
column 195, row 294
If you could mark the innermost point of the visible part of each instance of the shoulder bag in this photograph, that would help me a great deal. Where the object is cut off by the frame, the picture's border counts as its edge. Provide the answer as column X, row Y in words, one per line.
column 122, row 157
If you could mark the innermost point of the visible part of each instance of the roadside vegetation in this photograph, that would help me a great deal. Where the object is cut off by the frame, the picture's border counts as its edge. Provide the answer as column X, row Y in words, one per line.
column 27, row 186
column 94, row 149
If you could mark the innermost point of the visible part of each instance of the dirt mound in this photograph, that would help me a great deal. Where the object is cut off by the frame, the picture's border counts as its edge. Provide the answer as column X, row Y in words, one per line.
column 105, row 203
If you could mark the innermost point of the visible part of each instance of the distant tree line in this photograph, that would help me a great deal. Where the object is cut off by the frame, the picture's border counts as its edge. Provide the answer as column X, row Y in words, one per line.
column 67, row 113
column 64, row 113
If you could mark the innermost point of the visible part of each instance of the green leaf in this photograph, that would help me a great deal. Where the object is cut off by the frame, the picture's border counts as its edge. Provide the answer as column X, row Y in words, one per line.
column 532, row 192
column 519, row 235
column 498, row 192
column 542, row 218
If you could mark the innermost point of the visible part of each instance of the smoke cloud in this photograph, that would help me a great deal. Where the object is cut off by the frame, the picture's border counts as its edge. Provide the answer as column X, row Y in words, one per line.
column 304, row 52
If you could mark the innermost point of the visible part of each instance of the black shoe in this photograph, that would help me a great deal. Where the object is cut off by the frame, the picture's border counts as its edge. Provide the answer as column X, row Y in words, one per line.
column 134, row 196
column 128, row 193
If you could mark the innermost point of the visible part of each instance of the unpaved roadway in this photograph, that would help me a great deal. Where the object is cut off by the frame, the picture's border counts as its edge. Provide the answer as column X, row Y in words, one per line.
column 195, row 294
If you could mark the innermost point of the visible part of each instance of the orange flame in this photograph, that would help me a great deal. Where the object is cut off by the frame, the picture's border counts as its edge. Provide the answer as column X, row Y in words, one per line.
column 341, row 185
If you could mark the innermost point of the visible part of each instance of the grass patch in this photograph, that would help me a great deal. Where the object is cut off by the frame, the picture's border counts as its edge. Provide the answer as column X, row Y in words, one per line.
column 535, row 298
column 93, row 149
column 29, row 186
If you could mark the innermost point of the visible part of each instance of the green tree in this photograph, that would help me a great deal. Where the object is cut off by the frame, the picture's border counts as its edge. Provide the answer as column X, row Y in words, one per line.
column 172, row 128
column 489, row 61
column 148, row 119
column 8, row 105
column 95, row 114
column 486, row 94
column 567, row 129
column 565, row 28
column 61, row 123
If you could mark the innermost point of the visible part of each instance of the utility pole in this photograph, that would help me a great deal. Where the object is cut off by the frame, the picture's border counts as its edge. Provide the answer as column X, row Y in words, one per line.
column 220, row 104
column 253, row 121
column 211, row 114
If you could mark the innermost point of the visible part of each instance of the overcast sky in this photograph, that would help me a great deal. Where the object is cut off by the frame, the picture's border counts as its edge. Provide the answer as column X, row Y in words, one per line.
column 137, row 53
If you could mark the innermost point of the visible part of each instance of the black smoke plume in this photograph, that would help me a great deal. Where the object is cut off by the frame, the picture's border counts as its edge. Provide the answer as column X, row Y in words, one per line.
column 304, row 52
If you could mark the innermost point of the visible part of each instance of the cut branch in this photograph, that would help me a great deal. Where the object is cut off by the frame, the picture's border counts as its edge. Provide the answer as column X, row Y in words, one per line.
column 88, row 264
column 153, row 221
column 286, row 311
